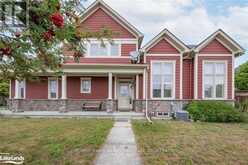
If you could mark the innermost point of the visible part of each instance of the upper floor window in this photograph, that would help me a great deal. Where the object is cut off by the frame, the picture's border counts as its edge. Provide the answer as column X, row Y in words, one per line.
column 114, row 49
column 98, row 49
column 52, row 88
column 214, row 79
column 85, row 85
column 163, row 79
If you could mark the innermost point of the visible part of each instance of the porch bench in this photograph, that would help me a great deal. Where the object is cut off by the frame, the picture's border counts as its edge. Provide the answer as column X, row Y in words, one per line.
column 92, row 106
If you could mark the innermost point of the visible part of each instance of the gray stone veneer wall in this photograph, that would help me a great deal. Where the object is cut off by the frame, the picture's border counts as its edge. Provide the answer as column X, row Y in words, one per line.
column 159, row 105
column 164, row 105
column 20, row 105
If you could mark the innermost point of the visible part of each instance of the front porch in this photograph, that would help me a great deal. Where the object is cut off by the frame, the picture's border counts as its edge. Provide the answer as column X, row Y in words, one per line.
column 115, row 87
column 125, row 83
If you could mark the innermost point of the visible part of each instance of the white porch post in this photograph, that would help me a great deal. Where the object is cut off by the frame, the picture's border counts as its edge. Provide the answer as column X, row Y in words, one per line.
column 144, row 84
column 64, row 87
column 137, row 87
column 10, row 89
column 115, row 92
column 110, row 85
column 17, row 89
column 196, row 77
column 181, row 76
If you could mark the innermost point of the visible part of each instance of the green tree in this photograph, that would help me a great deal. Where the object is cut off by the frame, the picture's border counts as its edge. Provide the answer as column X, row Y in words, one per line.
column 38, row 46
column 4, row 88
column 241, row 77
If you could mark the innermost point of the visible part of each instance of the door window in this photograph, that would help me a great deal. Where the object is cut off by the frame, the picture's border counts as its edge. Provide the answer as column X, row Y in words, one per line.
column 124, row 90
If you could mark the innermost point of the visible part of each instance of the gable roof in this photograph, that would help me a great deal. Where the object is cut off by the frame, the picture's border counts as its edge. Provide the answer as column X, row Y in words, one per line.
column 178, row 44
column 224, row 39
column 122, row 21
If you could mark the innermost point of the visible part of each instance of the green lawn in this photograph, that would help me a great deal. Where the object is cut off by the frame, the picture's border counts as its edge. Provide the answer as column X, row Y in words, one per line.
column 3, row 108
column 174, row 142
column 54, row 141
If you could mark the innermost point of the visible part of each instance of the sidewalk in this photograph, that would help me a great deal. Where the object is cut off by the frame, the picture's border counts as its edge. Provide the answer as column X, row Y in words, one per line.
column 77, row 114
column 120, row 147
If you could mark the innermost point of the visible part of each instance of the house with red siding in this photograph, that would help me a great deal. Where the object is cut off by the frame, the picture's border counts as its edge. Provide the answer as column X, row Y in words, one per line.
column 124, row 76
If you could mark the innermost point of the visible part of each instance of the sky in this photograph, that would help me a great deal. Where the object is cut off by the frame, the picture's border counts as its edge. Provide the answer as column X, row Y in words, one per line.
column 190, row 20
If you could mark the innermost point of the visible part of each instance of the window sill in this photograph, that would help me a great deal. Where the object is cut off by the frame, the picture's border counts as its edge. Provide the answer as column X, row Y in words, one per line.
column 215, row 98
column 85, row 92
column 170, row 98
column 119, row 56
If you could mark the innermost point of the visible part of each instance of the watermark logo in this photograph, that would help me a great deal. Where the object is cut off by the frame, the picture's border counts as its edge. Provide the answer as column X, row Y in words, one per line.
column 6, row 158
column 13, row 13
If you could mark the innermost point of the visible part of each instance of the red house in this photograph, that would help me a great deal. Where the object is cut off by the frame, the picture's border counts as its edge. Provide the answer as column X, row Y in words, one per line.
column 166, row 73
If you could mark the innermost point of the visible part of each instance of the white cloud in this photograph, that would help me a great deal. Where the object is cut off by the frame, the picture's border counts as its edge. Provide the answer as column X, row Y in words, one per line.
column 236, row 23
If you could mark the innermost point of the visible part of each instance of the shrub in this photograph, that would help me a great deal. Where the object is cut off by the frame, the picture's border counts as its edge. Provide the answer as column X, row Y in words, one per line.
column 242, row 105
column 213, row 111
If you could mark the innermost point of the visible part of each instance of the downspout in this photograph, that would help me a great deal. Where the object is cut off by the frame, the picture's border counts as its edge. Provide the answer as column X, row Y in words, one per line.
column 145, row 86
column 146, row 99
column 147, row 117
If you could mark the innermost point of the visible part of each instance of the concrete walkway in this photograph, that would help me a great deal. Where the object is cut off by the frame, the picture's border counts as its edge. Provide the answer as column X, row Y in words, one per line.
column 77, row 114
column 120, row 147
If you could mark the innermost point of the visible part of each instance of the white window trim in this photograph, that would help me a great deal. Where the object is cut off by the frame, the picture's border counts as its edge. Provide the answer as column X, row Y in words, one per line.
column 57, row 91
column 225, row 83
column 173, row 83
column 17, row 88
column 81, row 89
column 108, row 46
column 163, row 55
column 196, row 85
column 213, row 55
column 116, row 40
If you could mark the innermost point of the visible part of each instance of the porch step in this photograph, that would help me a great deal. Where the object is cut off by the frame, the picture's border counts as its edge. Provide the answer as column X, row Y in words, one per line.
column 121, row 119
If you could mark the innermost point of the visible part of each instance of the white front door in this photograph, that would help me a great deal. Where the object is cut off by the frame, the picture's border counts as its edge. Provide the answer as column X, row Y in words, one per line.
column 125, row 96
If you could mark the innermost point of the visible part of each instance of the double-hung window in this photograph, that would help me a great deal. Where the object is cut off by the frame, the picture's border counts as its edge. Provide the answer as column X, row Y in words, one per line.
column 85, row 85
column 214, row 79
column 97, row 49
column 163, row 79
column 52, row 88
column 114, row 49
column 21, row 89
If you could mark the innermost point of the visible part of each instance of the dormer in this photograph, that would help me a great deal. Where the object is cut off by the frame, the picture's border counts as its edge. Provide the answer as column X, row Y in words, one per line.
column 165, row 43
column 219, row 43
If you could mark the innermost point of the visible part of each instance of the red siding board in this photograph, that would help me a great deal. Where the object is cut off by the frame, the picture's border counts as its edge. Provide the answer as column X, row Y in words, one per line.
column 215, row 47
column 127, row 48
column 163, row 47
column 95, row 22
column 188, row 79
column 229, row 73
column 101, row 60
column 37, row 89
column 12, row 88
column 60, row 88
column 140, row 86
column 113, row 87
column 100, row 19
column 99, row 88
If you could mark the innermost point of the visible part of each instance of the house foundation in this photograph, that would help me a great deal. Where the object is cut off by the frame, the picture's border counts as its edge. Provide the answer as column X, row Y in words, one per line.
column 61, row 105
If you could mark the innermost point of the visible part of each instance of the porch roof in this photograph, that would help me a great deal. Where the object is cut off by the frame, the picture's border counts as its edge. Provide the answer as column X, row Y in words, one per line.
column 75, row 68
